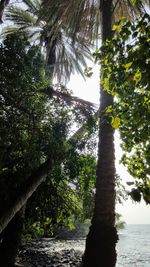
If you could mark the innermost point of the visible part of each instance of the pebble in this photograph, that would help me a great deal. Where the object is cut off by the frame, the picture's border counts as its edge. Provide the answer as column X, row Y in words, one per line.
column 52, row 253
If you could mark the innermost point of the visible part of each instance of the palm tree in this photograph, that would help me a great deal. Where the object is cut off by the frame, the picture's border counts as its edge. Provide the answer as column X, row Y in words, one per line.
column 102, row 237
column 64, row 53
column 80, row 19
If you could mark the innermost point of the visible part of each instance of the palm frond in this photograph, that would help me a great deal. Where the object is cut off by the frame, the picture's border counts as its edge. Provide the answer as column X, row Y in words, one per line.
column 23, row 21
column 81, row 17
column 33, row 6
column 68, row 29
column 70, row 99
column 70, row 50
column 70, row 57
column 7, row 30
column 33, row 35
column 20, row 17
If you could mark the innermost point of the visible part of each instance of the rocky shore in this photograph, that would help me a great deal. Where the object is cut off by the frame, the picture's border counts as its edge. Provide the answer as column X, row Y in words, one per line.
column 49, row 252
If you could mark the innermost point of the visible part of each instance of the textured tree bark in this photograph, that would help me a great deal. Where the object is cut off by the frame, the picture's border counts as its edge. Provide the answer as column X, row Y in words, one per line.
column 25, row 192
column 11, row 239
column 102, row 238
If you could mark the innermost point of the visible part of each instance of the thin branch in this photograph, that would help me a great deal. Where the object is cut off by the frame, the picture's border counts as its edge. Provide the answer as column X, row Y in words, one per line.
column 117, row 2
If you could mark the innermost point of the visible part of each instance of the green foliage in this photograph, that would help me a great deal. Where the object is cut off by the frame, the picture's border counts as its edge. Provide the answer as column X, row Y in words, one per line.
column 65, row 197
column 22, row 108
column 121, row 192
column 34, row 125
column 135, row 194
column 125, row 61
column 119, row 223
column 88, row 72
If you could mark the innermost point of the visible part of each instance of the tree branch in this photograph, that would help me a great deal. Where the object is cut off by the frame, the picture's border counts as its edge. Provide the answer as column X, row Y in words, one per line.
column 29, row 186
column 25, row 192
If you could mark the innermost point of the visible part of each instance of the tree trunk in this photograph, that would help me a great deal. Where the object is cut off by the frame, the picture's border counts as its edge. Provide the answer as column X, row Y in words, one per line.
column 11, row 239
column 25, row 192
column 102, row 238
column 31, row 184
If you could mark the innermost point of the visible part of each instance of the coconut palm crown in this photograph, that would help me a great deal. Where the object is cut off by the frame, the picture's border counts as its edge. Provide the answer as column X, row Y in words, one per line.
column 64, row 52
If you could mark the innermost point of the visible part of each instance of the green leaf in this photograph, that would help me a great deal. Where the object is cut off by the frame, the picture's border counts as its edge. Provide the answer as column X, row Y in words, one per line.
column 117, row 27
column 130, row 183
column 88, row 72
column 135, row 195
column 109, row 109
column 115, row 122
column 128, row 65
column 137, row 77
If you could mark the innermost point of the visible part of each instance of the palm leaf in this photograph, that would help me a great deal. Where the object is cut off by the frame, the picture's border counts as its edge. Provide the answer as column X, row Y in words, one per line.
column 70, row 53
column 79, row 17
column 32, row 5
column 70, row 99
column 7, row 30
column 82, row 17
column 20, row 17
column 71, row 25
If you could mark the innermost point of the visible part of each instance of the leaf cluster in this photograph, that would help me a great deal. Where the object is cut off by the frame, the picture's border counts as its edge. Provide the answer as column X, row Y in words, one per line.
column 32, row 126
column 126, row 63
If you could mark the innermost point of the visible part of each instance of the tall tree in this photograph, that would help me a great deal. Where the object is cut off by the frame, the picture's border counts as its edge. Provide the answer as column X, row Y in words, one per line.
column 103, row 220
column 102, row 238
column 131, row 64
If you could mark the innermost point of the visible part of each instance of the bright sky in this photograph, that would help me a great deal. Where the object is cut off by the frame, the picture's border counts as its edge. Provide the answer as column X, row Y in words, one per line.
column 131, row 213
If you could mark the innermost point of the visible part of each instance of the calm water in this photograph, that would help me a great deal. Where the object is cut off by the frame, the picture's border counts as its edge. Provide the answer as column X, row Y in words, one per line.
column 134, row 246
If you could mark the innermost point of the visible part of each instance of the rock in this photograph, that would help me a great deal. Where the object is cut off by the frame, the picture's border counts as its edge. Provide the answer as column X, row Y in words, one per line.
column 52, row 253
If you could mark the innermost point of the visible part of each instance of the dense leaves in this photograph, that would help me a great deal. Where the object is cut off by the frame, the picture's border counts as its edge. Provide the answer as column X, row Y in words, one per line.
column 35, row 124
column 63, row 198
column 126, row 60
column 22, row 108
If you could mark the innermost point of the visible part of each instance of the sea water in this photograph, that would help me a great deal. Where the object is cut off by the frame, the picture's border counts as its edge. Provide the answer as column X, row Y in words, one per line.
column 133, row 248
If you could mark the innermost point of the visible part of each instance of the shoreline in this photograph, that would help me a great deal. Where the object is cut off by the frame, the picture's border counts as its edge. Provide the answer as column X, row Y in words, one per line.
column 50, row 252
